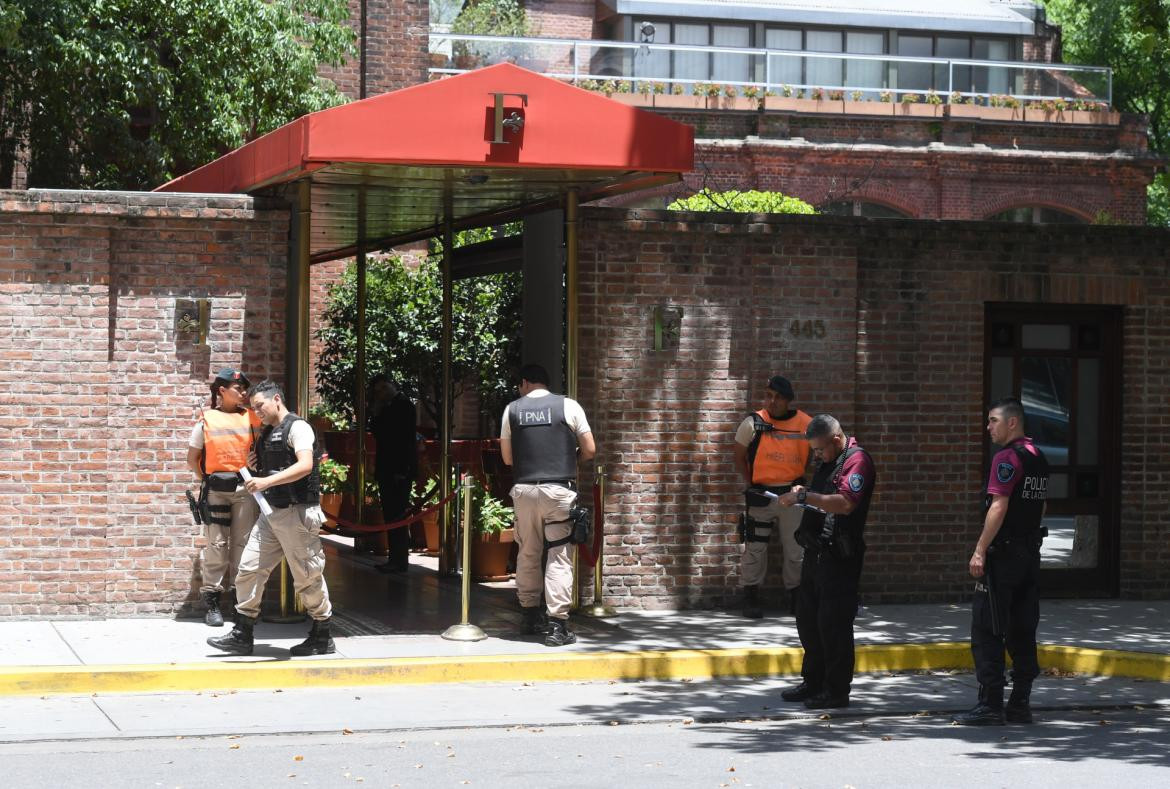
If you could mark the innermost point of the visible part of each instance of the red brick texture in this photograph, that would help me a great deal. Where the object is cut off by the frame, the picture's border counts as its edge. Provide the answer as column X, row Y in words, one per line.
column 97, row 396
column 900, row 362
column 396, row 49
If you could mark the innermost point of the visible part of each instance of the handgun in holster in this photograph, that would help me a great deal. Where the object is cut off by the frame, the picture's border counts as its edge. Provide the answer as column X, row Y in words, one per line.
column 196, row 510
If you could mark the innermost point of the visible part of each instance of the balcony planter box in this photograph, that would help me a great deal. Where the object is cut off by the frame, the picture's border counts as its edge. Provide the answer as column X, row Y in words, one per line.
column 924, row 110
column 822, row 106
column 634, row 99
column 979, row 112
column 669, row 101
column 883, row 108
column 1107, row 118
column 733, row 103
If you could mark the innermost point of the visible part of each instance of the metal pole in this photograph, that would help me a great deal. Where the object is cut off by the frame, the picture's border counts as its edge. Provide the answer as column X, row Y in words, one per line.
column 571, row 321
column 291, row 609
column 359, row 376
column 465, row 631
column 446, row 547
column 599, row 608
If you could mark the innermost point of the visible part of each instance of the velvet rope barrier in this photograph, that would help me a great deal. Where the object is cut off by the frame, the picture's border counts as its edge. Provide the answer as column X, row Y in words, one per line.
column 589, row 554
column 374, row 528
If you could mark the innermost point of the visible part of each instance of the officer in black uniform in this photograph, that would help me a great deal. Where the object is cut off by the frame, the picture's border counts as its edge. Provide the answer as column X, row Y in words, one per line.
column 832, row 535
column 1006, row 563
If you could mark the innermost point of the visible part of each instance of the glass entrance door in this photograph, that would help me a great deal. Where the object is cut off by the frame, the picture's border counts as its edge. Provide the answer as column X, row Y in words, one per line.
column 1064, row 365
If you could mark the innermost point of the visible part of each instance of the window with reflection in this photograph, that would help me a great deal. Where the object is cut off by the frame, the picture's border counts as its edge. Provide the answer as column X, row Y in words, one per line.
column 862, row 208
column 1037, row 215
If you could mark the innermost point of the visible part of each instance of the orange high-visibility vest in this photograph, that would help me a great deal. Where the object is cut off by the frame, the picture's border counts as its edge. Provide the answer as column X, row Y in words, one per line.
column 227, row 439
column 783, row 451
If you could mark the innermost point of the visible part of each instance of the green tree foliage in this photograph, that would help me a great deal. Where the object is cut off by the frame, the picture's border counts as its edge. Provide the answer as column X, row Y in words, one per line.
column 750, row 202
column 1132, row 37
column 403, row 333
column 126, row 94
column 492, row 18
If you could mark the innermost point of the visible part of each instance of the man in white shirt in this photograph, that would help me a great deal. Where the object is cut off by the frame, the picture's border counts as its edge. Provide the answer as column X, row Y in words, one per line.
column 542, row 435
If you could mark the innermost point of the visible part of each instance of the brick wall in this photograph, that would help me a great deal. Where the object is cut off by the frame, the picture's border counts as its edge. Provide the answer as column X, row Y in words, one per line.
column 97, row 396
column 900, row 362
column 396, row 52
column 561, row 18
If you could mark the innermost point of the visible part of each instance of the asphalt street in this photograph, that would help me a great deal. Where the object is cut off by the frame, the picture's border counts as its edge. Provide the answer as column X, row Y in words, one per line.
column 1090, row 731
column 1072, row 748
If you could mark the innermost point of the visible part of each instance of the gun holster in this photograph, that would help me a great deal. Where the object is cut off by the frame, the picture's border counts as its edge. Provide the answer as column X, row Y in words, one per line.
column 581, row 521
column 580, row 528
column 196, row 514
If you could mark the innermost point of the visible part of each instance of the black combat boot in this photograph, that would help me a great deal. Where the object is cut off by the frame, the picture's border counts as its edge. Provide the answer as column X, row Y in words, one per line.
column 535, row 621
column 558, row 634
column 989, row 710
column 1018, row 709
column 826, row 701
column 319, row 642
column 213, row 617
column 751, row 602
column 801, row 692
column 239, row 641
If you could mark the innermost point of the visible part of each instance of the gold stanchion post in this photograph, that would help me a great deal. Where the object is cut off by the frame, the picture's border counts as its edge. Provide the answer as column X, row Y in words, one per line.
column 465, row 631
column 599, row 608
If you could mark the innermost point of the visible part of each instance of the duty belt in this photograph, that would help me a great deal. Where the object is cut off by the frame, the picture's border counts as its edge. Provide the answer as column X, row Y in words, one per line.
column 564, row 483
column 779, row 490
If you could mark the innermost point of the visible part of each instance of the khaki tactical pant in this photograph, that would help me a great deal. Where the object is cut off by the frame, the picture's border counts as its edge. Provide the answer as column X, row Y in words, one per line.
column 225, row 542
column 754, row 565
column 294, row 534
column 542, row 512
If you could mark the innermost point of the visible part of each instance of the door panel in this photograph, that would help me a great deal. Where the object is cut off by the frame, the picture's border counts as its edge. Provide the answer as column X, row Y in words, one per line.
column 1062, row 364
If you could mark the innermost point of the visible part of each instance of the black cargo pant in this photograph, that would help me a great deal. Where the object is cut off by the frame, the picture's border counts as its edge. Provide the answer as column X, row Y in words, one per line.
column 1013, row 570
column 394, row 491
column 825, row 610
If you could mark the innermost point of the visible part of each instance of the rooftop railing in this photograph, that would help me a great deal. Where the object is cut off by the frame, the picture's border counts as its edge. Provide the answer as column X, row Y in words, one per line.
column 679, row 68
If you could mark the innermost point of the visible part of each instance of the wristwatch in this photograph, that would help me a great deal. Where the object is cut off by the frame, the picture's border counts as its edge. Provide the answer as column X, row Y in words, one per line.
column 801, row 495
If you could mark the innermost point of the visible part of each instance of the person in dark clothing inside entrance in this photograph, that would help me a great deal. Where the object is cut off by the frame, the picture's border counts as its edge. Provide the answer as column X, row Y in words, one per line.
column 1006, row 564
column 392, row 421
column 832, row 534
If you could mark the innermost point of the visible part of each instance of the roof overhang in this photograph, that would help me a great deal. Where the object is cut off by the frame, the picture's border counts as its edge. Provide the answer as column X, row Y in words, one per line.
column 486, row 146
column 966, row 16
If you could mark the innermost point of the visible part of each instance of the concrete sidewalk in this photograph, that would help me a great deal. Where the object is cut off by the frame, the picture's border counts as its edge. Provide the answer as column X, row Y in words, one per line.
column 1105, row 638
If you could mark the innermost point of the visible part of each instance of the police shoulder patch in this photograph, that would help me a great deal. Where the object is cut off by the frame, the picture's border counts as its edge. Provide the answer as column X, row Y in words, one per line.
column 1004, row 472
column 856, row 482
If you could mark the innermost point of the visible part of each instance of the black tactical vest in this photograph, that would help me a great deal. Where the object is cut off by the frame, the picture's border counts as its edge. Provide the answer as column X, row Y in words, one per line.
column 825, row 481
column 544, row 447
column 276, row 455
column 1026, row 504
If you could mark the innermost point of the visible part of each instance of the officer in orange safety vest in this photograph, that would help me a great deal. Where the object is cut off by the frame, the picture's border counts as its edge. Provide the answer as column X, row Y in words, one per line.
column 220, row 443
column 771, row 454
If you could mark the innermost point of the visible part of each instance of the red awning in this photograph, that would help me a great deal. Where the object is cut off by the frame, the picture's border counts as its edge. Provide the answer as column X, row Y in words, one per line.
column 492, row 143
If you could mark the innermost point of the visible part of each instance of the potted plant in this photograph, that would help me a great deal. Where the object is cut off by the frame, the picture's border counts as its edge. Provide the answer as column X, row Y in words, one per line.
column 680, row 99
column 333, row 476
column 633, row 95
column 425, row 499
column 493, row 536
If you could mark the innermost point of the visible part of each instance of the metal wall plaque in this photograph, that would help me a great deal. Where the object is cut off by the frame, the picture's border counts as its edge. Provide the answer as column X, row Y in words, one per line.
column 192, row 317
column 667, row 327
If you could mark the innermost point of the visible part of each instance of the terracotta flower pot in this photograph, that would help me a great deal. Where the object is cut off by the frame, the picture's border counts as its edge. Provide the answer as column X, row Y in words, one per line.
column 430, row 523
column 489, row 555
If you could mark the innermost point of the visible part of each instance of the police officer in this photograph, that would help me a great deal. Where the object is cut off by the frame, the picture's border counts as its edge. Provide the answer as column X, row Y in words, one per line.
column 542, row 435
column 218, row 448
column 834, row 546
column 393, row 422
column 771, row 454
column 289, row 457
column 1006, row 561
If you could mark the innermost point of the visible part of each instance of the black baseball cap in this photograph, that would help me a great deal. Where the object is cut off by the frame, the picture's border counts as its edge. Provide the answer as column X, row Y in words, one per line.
column 232, row 376
column 782, row 386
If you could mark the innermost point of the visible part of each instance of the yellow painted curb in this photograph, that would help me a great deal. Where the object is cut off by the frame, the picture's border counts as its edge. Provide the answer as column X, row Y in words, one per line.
column 560, row 667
